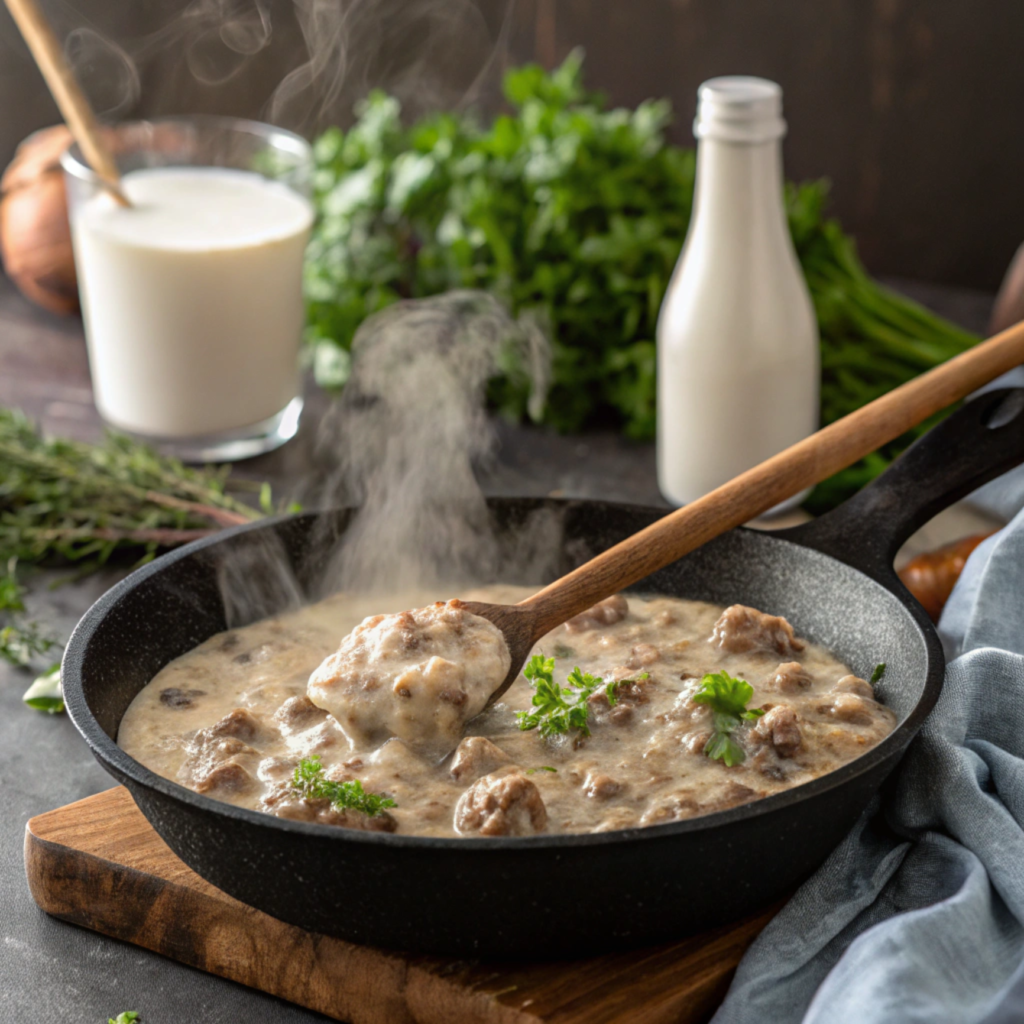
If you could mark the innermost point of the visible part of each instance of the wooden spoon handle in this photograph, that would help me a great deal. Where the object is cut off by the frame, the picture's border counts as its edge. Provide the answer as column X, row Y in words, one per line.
column 74, row 107
column 805, row 463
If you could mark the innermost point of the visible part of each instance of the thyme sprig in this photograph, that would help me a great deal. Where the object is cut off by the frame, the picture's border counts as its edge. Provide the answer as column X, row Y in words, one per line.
column 81, row 502
column 65, row 500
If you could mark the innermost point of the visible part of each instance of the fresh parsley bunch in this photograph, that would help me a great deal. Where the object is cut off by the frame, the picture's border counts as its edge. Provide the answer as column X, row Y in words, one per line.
column 560, row 709
column 574, row 214
column 562, row 208
column 309, row 780
column 727, row 697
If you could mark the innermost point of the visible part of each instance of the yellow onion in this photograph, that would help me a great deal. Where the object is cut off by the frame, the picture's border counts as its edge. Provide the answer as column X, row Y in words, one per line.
column 35, row 238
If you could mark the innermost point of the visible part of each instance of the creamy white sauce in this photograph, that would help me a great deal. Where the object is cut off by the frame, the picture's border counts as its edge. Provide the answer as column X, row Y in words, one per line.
column 419, row 675
column 232, row 719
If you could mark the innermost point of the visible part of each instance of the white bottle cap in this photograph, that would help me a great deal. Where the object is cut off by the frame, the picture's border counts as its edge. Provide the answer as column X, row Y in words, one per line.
column 739, row 108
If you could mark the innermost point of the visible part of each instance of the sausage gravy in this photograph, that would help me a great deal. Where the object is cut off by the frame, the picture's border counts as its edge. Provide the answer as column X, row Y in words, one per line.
column 233, row 718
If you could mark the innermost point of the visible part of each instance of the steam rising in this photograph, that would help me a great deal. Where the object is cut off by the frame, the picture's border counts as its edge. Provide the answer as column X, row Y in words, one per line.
column 352, row 47
column 113, row 79
column 326, row 55
column 401, row 446
column 408, row 432
column 410, row 427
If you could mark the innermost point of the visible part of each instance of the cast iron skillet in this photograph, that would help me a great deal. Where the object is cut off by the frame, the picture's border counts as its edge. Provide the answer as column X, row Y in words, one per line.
column 561, row 895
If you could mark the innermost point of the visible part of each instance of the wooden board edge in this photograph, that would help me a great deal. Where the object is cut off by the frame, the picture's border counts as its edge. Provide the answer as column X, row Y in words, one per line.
column 361, row 986
column 204, row 928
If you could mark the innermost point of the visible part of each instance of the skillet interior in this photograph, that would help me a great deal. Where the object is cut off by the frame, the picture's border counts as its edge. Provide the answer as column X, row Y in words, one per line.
column 509, row 897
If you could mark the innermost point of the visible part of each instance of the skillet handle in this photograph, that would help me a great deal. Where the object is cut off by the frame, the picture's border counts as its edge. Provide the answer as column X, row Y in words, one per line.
column 976, row 444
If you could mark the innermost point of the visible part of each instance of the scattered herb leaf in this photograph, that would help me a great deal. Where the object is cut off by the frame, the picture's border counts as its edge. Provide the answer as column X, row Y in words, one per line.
column 310, row 782
column 45, row 693
column 21, row 642
column 727, row 697
column 266, row 499
column 542, row 768
column 560, row 709
column 128, row 1017
column 11, row 591
column 878, row 673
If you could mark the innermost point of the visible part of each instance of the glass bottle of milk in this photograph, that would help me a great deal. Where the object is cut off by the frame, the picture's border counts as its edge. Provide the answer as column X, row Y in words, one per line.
column 738, row 362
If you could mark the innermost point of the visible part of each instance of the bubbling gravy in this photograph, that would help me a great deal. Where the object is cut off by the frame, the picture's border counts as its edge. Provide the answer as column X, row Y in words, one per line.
column 234, row 717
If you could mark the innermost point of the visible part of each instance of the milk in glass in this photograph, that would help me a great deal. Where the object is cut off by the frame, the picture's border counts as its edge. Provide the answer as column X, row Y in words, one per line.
column 192, row 299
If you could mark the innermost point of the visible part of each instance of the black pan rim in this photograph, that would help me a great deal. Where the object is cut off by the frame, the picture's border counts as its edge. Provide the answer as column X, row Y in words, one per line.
column 124, row 767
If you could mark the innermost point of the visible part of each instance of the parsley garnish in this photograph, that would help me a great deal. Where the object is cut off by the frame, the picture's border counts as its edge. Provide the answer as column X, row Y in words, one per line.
column 878, row 673
column 727, row 697
column 310, row 782
column 560, row 709
column 542, row 768
column 128, row 1017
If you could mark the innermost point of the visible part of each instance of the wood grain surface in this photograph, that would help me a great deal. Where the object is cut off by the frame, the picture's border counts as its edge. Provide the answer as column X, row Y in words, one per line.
column 99, row 864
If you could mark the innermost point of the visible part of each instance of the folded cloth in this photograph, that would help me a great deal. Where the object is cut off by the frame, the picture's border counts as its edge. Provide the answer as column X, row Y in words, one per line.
column 919, row 914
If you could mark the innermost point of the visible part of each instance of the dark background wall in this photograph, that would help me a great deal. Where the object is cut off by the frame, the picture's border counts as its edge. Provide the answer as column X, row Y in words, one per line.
column 913, row 108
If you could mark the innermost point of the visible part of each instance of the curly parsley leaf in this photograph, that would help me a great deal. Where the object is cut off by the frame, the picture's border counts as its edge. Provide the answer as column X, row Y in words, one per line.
column 309, row 780
column 878, row 673
column 560, row 709
column 128, row 1017
column 727, row 698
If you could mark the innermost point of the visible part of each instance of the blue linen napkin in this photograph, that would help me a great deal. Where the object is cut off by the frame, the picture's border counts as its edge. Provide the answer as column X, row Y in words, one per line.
column 918, row 916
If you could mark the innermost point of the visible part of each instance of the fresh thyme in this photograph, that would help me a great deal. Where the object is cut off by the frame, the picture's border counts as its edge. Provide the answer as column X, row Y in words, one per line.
column 727, row 697
column 21, row 641
column 63, row 500
column 309, row 780
column 80, row 502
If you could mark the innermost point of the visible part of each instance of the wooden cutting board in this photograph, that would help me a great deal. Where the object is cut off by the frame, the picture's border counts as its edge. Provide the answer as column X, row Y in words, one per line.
column 98, row 863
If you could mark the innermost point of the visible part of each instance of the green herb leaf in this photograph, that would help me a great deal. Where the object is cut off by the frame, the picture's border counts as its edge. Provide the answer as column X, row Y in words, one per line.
column 11, row 591
column 542, row 768
column 560, row 709
column 128, row 1017
column 878, row 673
column 722, row 747
column 22, row 642
column 45, row 693
column 727, row 697
column 266, row 499
column 310, row 782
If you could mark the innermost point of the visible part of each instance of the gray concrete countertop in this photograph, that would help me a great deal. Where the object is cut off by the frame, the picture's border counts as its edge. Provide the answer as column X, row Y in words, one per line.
column 51, row 971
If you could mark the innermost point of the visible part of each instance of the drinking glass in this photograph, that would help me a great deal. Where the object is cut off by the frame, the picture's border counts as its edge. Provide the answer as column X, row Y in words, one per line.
column 194, row 347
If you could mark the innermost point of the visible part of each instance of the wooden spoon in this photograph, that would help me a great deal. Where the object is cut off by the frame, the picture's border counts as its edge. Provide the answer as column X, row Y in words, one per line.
column 71, row 101
column 748, row 495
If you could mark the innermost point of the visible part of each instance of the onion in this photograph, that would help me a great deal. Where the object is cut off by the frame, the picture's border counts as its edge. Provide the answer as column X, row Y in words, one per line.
column 35, row 237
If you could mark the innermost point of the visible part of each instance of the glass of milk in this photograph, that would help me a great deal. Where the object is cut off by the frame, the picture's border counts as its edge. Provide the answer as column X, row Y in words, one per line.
column 192, row 296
